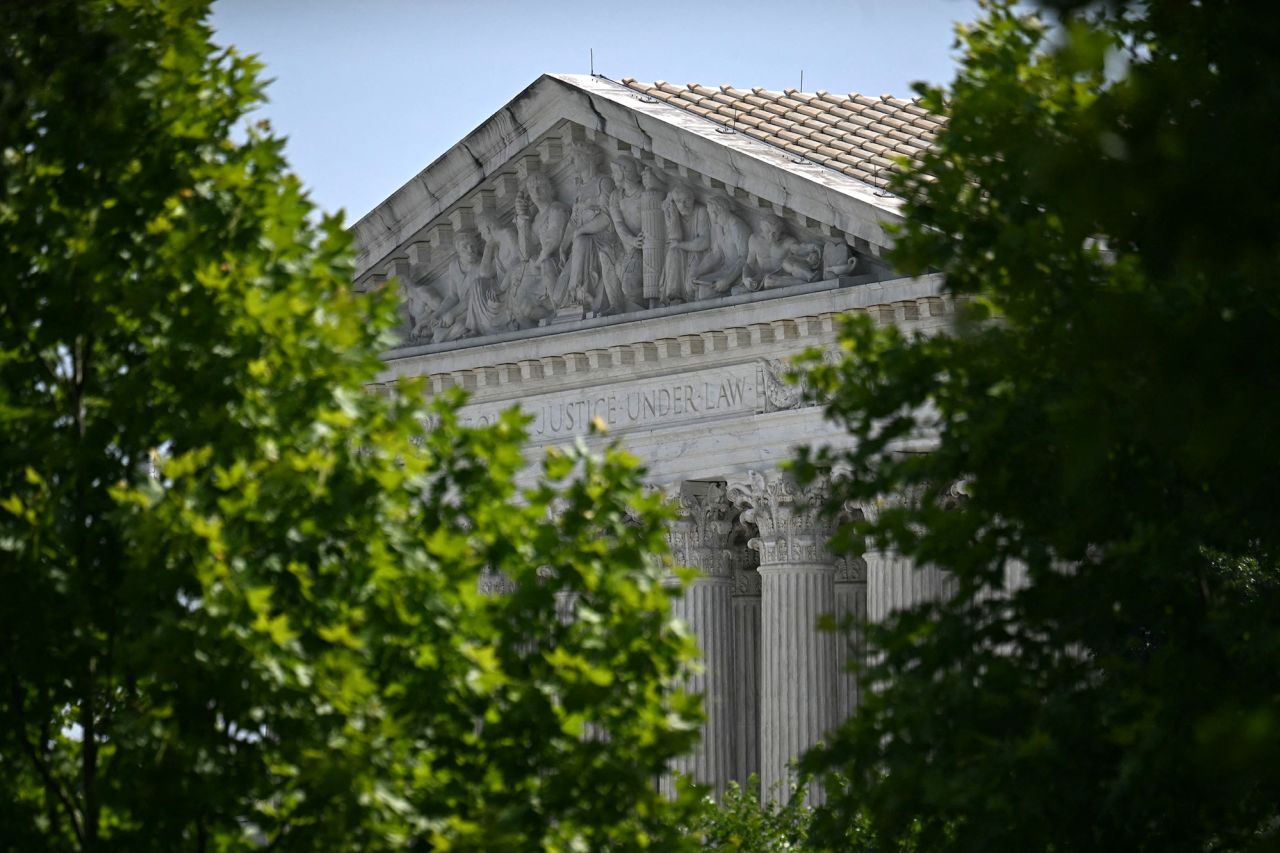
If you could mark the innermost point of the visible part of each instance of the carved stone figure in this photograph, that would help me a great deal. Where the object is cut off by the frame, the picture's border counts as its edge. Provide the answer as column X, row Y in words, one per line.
column 448, row 320
column 626, row 244
column 654, row 222
column 589, row 246
column 688, row 229
column 780, row 394
column 625, row 209
column 517, row 280
column 721, row 268
column 776, row 259
column 420, row 303
column 837, row 260
column 485, row 299
column 539, row 236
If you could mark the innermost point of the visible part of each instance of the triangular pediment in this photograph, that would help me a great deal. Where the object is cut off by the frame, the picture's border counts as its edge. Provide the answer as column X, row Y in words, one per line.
column 585, row 199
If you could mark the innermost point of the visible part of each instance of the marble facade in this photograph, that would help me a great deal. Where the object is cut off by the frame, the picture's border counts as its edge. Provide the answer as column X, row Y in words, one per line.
column 591, row 254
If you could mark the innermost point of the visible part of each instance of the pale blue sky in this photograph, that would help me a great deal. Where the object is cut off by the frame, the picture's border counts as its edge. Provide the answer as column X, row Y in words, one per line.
column 369, row 92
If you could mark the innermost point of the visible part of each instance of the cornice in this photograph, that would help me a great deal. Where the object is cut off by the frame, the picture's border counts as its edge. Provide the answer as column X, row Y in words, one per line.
column 668, row 342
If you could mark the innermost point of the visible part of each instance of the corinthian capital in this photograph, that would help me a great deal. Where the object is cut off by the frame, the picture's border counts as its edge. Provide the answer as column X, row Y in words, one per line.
column 700, row 536
column 793, row 526
column 851, row 569
column 745, row 565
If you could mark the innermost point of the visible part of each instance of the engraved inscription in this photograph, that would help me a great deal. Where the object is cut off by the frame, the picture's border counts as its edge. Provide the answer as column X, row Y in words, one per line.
column 643, row 406
column 623, row 406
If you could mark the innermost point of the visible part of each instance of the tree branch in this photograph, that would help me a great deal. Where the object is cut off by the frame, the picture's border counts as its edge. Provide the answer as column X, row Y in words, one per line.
column 46, row 775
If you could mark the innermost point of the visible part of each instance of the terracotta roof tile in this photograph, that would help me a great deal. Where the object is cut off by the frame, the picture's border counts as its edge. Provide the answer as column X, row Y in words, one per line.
column 854, row 134
column 823, row 120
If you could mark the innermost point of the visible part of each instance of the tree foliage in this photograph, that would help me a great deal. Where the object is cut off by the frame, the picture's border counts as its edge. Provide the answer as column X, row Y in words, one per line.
column 744, row 823
column 238, row 593
column 1103, row 204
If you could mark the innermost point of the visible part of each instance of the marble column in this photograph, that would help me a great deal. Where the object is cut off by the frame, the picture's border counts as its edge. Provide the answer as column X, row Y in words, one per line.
column 894, row 583
column 851, row 618
column 700, row 539
column 798, row 662
column 746, row 665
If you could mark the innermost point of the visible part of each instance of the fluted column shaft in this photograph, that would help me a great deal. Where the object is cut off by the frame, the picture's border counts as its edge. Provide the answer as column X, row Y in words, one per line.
column 893, row 583
column 746, row 672
column 851, row 617
column 700, row 539
column 706, row 606
column 798, row 662
column 798, row 699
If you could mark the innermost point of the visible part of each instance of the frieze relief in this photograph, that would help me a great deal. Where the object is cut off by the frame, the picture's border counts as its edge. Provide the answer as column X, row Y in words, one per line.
column 583, row 230
column 779, row 393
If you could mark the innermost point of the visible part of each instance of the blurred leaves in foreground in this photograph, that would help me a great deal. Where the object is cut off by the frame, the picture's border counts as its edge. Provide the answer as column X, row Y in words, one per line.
column 238, row 592
column 1103, row 204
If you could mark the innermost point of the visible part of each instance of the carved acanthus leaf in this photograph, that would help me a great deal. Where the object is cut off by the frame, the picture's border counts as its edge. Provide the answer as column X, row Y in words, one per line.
column 851, row 569
column 700, row 536
column 791, row 517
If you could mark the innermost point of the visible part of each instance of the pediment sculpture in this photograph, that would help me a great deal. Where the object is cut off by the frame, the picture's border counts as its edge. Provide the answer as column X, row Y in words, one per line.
column 604, row 235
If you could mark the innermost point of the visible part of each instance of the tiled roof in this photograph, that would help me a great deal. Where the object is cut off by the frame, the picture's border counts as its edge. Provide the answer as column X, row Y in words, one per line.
column 852, row 133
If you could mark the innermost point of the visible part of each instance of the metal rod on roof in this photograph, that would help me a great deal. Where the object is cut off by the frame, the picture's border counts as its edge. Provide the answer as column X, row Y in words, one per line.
column 882, row 191
column 592, row 53
column 801, row 79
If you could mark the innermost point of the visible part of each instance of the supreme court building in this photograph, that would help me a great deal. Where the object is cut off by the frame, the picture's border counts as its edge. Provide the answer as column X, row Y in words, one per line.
column 651, row 255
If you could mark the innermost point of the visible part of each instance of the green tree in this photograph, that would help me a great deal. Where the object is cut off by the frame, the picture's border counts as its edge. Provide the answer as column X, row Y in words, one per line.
column 1103, row 204
column 742, row 822
column 238, row 592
